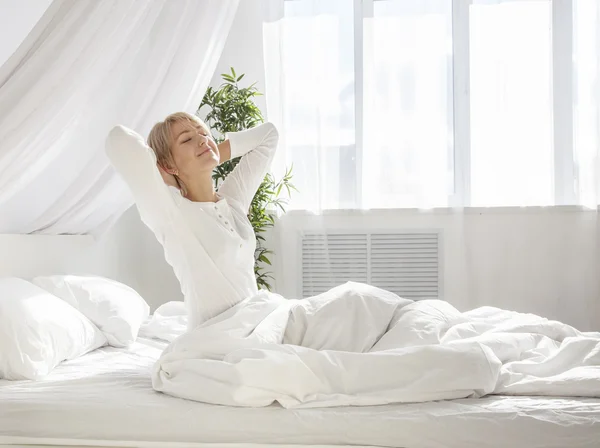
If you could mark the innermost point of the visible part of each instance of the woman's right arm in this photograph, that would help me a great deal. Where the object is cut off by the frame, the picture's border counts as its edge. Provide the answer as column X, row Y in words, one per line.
column 256, row 147
column 136, row 163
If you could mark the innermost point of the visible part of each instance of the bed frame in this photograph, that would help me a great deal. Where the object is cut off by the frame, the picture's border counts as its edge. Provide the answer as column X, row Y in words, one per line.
column 31, row 255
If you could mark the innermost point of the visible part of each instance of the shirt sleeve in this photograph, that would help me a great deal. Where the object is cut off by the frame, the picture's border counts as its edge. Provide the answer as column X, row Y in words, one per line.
column 136, row 163
column 257, row 147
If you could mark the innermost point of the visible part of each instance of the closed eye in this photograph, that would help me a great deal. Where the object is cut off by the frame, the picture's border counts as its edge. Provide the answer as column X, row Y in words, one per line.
column 185, row 141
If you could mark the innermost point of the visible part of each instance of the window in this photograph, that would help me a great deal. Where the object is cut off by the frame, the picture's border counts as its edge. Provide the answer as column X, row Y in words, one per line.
column 429, row 103
column 407, row 105
column 511, row 129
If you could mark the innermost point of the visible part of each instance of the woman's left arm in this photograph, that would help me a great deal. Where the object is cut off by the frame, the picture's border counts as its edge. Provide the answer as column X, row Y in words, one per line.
column 257, row 148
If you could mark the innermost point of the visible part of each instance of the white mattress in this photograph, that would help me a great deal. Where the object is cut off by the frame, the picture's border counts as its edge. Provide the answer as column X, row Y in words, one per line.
column 105, row 398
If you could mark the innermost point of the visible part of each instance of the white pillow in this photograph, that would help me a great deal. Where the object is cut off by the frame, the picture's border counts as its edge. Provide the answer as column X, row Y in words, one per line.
column 113, row 307
column 38, row 331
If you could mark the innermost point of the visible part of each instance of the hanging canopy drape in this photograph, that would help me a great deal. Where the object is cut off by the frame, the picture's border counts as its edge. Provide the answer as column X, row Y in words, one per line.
column 86, row 66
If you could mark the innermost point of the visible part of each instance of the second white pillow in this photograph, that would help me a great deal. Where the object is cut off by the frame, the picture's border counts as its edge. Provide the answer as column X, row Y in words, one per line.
column 115, row 308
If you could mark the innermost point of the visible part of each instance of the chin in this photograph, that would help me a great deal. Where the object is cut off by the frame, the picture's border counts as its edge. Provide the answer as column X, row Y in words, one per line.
column 210, row 164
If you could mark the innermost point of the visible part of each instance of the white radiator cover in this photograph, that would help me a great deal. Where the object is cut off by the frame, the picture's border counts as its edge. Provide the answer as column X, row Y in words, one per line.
column 406, row 263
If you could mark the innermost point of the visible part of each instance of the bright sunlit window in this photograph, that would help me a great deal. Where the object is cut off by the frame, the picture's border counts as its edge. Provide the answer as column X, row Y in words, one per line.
column 512, row 157
column 407, row 113
column 419, row 104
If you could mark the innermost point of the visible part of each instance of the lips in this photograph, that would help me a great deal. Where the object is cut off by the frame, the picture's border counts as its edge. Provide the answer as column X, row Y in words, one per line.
column 203, row 152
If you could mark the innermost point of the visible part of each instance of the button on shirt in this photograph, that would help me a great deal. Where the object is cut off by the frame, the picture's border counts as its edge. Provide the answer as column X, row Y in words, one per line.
column 210, row 245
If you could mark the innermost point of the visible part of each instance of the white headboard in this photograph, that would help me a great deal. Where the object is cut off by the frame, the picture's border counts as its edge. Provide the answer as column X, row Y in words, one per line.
column 27, row 256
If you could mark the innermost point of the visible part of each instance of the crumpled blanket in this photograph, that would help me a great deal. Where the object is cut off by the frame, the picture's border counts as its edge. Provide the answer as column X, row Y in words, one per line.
column 360, row 345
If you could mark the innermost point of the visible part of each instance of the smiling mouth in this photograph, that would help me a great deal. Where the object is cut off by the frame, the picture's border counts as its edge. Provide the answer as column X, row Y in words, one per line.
column 203, row 152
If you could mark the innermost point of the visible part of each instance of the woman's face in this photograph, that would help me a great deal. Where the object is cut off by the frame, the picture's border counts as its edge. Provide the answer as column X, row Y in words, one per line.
column 193, row 150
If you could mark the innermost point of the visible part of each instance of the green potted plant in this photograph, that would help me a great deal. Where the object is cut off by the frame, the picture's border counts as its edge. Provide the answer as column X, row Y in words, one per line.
column 230, row 108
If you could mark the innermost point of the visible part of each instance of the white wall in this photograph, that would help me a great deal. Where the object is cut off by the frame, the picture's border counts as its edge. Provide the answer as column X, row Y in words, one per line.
column 120, row 254
column 17, row 18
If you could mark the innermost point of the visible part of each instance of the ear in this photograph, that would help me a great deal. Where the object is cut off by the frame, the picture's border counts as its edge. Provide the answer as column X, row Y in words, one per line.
column 168, row 170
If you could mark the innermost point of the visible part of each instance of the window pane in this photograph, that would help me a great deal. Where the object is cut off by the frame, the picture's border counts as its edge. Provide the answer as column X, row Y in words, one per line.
column 512, row 159
column 407, row 155
column 318, row 66
column 587, row 98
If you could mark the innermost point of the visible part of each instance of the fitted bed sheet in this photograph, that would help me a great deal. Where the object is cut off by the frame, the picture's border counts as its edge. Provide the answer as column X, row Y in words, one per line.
column 105, row 398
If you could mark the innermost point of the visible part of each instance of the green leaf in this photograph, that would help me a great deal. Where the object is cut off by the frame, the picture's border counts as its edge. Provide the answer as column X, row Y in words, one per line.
column 264, row 260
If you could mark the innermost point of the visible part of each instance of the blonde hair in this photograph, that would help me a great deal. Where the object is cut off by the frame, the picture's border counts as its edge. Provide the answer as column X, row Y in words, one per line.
column 160, row 140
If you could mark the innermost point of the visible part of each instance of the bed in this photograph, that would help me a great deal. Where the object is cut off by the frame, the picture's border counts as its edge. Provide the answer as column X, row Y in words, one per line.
column 105, row 399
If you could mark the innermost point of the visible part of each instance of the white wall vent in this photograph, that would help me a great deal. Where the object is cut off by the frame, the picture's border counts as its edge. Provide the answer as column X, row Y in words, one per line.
column 406, row 263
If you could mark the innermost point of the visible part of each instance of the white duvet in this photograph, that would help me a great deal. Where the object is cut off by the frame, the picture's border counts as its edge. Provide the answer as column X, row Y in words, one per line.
column 360, row 345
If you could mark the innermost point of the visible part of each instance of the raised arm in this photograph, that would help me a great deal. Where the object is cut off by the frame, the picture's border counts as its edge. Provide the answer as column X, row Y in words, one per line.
column 136, row 163
column 257, row 147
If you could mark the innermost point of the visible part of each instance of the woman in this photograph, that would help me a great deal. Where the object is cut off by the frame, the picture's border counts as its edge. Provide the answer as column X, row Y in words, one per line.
column 206, row 234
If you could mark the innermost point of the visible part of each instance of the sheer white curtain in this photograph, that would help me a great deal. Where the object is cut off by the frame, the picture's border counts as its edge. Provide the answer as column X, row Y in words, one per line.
column 437, row 103
column 16, row 21
column 86, row 66
column 364, row 98
column 309, row 60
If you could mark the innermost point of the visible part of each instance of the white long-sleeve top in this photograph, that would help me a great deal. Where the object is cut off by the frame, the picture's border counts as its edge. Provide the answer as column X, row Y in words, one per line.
column 210, row 245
